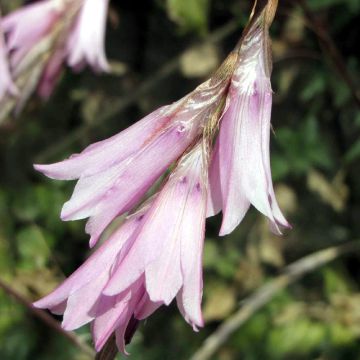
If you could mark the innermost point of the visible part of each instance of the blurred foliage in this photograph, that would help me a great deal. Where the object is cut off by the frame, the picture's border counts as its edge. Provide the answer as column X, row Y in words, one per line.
column 315, row 161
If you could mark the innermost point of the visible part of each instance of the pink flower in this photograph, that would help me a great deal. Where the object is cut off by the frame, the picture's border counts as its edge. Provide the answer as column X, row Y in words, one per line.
column 115, row 174
column 155, row 256
column 240, row 172
column 152, row 258
column 6, row 83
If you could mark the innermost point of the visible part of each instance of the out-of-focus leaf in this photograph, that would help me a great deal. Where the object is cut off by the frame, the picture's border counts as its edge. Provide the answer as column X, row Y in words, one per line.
column 336, row 282
column 200, row 61
column 301, row 148
column 220, row 301
column 353, row 153
column 315, row 87
column 189, row 14
column 334, row 193
column 33, row 246
column 297, row 337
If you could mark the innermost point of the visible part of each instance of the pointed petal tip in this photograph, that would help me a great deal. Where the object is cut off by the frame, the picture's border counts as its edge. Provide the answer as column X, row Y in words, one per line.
column 46, row 169
column 277, row 227
column 39, row 167
column 38, row 304
column 93, row 241
column 227, row 228
column 64, row 215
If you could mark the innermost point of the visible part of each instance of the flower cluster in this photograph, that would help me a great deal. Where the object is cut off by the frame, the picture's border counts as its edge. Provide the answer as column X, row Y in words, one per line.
column 166, row 174
column 36, row 40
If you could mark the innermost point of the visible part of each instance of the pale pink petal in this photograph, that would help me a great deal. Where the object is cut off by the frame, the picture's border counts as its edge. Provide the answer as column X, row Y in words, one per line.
column 86, row 43
column 192, row 240
column 106, row 153
column 214, row 201
column 157, row 247
column 243, row 166
column 101, row 261
column 235, row 202
column 145, row 307
column 120, row 188
column 114, row 312
column 81, row 305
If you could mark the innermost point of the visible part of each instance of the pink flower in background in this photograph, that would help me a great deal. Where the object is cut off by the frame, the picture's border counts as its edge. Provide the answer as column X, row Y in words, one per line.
column 30, row 25
column 240, row 172
column 55, row 31
column 6, row 83
column 115, row 174
column 155, row 256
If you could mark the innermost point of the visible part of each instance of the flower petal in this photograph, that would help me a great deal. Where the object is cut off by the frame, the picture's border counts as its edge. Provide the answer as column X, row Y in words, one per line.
column 102, row 261
column 86, row 43
column 107, row 153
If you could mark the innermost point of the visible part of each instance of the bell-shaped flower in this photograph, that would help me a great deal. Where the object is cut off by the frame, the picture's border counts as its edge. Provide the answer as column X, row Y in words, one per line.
column 240, row 172
column 116, row 173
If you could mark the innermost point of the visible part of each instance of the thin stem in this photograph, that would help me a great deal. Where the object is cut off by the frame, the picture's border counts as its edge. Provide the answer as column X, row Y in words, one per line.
column 47, row 319
column 265, row 294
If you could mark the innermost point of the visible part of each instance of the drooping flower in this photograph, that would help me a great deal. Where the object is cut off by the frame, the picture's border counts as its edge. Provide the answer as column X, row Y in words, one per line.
column 240, row 172
column 115, row 174
column 42, row 36
column 155, row 256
